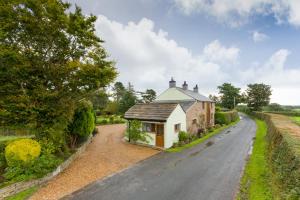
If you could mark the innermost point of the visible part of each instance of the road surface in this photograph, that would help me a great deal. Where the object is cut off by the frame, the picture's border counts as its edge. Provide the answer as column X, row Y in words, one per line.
column 209, row 171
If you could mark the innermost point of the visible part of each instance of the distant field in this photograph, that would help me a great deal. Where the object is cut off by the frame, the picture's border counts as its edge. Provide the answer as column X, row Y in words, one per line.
column 297, row 120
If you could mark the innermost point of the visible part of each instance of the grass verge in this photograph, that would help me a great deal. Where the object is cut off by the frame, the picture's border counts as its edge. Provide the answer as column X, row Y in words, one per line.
column 23, row 195
column 255, row 181
column 201, row 140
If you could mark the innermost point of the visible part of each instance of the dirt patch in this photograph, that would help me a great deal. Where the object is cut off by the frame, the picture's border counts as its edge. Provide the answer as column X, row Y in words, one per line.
column 106, row 154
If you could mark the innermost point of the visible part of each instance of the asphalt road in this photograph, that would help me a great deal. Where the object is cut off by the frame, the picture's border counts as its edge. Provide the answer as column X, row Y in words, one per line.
column 209, row 171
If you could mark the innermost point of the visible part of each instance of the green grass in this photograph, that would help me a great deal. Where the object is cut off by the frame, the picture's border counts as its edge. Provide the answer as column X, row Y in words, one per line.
column 113, row 119
column 255, row 181
column 23, row 195
column 201, row 140
column 13, row 137
column 296, row 120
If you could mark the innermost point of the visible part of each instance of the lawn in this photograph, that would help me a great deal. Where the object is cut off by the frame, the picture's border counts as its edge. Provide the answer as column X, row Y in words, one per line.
column 201, row 140
column 256, row 178
column 109, row 119
column 296, row 120
column 13, row 137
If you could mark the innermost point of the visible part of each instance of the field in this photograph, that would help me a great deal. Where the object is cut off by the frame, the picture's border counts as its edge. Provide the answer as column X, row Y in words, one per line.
column 296, row 120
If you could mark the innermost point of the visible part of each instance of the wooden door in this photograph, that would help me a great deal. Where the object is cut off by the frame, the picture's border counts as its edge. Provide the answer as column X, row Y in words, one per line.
column 160, row 135
column 208, row 115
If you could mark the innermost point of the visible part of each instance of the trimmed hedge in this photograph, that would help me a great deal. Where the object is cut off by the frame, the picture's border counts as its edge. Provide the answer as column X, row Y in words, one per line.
column 226, row 117
column 283, row 154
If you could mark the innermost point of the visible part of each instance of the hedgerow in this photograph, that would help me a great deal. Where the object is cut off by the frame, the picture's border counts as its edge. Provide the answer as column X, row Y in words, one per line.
column 226, row 117
column 284, row 159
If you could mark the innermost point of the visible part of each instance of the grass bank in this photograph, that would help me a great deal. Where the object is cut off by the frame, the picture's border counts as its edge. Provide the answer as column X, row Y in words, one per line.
column 201, row 140
column 255, row 181
column 296, row 120
column 23, row 195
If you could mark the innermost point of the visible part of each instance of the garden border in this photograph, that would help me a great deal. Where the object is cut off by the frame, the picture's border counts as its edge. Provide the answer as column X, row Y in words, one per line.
column 21, row 186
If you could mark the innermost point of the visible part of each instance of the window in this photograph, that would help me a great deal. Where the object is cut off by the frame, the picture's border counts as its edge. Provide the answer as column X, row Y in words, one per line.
column 194, row 121
column 177, row 127
column 203, row 105
column 148, row 127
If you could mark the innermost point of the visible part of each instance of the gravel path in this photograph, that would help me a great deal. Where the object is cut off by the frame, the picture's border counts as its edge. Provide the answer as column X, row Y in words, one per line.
column 106, row 154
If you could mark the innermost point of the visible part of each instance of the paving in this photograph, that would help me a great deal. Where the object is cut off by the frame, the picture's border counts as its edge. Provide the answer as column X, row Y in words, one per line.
column 209, row 171
column 107, row 154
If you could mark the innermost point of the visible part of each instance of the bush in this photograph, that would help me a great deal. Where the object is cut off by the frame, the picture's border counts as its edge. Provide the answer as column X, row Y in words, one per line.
column 183, row 136
column 218, row 126
column 83, row 122
column 104, row 121
column 226, row 117
column 22, row 152
column 134, row 132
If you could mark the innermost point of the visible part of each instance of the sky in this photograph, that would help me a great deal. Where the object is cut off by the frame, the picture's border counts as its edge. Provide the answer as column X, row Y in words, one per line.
column 204, row 42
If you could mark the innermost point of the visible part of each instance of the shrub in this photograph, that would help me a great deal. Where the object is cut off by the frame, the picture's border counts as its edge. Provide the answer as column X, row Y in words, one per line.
column 104, row 121
column 22, row 152
column 217, row 126
column 134, row 132
column 183, row 136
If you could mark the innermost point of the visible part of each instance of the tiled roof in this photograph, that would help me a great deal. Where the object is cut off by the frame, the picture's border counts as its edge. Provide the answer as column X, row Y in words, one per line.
column 151, row 111
column 194, row 95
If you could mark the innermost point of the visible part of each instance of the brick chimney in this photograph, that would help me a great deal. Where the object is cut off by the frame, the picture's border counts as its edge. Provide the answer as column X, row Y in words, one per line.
column 196, row 89
column 185, row 86
column 172, row 83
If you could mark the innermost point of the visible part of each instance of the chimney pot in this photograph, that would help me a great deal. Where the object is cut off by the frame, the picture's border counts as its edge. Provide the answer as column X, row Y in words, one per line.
column 172, row 83
column 196, row 89
column 185, row 86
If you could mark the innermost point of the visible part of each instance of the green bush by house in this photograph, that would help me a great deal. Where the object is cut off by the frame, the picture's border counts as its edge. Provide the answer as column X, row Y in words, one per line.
column 283, row 154
column 226, row 117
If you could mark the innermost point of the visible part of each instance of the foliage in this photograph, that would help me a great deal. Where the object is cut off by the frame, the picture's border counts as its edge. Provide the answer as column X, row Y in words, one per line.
column 283, row 157
column 34, row 169
column 112, row 108
column 135, row 133
column 118, row 91
column 258, row 95
column 113, row 119
column 274, row 107
column 149, row 96
column 215, row 99
column 255, row 183
column 22, row 152
column 182, row 136
column 50, row 59
column 127, row 101
column 83, row 123
column 230, row 95
column 226, row 117
column 200, row 140
column 100, row 100
column 24, row 194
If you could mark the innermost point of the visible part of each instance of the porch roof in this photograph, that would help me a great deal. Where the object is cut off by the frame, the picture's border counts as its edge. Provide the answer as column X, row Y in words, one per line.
column 151, row 111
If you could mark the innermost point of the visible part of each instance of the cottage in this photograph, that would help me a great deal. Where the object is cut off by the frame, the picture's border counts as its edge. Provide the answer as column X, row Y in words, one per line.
column 162, row 122
column 176, row 109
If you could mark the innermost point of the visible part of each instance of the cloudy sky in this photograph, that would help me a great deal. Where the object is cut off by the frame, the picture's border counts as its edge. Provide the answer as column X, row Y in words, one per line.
column 205, row 42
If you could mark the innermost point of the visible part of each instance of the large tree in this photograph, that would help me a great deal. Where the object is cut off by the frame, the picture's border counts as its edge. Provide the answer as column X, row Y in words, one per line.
column 50, row 58
column 149, row 95
column 258, row 95
column 118, row 91
column 230, row 95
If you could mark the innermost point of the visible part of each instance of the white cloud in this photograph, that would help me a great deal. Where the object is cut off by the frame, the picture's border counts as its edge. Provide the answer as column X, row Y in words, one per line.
column 215, row 52
column 238, row 12
column 148, row 59
column 259, row 37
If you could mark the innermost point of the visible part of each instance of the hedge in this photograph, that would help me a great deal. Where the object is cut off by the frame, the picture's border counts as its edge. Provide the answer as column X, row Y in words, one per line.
column 226, row 117
column 283, row 154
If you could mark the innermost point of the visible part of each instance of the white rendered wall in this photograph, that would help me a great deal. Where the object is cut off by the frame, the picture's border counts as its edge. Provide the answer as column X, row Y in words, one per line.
column 176, row 117
column 173, row 94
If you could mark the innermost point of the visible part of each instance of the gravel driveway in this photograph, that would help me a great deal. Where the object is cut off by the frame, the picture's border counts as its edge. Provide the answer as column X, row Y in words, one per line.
column 106, row 155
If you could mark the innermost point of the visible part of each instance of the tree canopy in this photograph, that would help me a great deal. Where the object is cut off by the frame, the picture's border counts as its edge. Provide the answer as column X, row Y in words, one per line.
column 258, row 95
column 230, row 95
column 50, row 58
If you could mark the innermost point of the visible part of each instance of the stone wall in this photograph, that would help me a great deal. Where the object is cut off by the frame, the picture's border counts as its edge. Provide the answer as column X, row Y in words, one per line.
column 20, row 186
